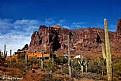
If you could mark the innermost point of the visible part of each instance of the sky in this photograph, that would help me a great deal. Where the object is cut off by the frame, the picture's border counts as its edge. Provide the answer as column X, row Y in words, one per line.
column 19, row 18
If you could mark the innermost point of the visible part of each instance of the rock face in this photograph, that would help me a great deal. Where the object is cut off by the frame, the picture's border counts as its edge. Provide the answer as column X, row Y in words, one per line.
column 54, row 38
column 118, row 29
column 48, row 38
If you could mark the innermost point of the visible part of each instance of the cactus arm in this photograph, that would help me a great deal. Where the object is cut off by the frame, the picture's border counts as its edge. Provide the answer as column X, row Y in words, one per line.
column 79, row 62
column 86, row 68
column 85, row 64
column 82, row 68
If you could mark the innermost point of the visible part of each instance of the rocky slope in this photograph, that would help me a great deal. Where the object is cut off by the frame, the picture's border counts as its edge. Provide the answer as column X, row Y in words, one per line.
column 54, row 38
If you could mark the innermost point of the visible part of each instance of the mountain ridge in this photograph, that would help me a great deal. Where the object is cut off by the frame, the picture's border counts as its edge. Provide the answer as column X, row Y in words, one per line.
column 54, row 38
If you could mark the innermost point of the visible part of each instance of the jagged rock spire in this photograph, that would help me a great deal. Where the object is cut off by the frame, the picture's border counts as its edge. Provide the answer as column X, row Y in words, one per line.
column 118, row 28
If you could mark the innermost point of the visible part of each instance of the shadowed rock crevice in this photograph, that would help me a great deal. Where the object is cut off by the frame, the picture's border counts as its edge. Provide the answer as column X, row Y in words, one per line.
column 53, row 38
column 56, row 45
column 98, row 39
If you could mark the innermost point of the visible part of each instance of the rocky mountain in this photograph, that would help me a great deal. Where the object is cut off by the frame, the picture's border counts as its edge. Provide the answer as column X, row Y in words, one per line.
column 88, row 40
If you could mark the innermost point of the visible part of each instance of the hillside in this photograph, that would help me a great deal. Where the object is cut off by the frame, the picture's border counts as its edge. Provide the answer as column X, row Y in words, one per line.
column 88, row 40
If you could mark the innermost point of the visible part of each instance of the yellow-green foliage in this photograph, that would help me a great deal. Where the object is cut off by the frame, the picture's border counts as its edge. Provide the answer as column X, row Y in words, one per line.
column 116, row 67
column 50, row 65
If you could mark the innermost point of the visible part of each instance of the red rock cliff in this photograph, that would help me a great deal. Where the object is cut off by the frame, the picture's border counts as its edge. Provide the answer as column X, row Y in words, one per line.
column 87, row 39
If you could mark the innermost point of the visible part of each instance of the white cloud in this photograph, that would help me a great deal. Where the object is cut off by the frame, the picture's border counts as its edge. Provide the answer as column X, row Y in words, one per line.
column 61, row 21
column 66, row 26
column 13, row 42
column 78, row 25
column 5, row 24
column 26, row 22
column 15, row 34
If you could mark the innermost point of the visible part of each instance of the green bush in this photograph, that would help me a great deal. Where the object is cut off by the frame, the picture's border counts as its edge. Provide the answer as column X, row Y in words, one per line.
column 50, row 65
column 116, row 67
column 33, row 60
column 21, row 56
column 97, row 66
column 61, row 60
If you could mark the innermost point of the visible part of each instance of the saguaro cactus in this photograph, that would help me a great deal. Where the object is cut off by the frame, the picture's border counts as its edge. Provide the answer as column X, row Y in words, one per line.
column 10, row 56
column 5, row 53
column 69, row 62
column 42, row 61
column 106, row 52
column 83, row 64
column 26, row 58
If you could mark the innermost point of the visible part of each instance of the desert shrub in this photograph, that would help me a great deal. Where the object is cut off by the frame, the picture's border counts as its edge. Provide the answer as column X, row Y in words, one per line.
column 33, row 60
column 50, row 65
column 2, row 60
column 21, row 56
column 13, row 61
column 116, row 67
column 75, row 67
column 61, row 60
column 97, row 66
column 65, row 70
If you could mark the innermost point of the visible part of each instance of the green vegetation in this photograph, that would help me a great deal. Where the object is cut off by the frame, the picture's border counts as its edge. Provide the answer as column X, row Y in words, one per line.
column 116, row 64
column 61, row 60
column 50, row 66
column 96, row 68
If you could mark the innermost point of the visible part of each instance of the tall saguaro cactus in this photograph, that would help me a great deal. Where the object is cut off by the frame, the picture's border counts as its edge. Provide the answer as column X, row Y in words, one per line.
column 106, row 52
column 42, row 61
column 26, row 58
column 69, row 67
column 5, row 52
column 10, row 56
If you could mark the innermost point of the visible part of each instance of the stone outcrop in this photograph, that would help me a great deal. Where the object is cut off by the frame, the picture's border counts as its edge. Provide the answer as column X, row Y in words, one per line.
column 54, row 38
column 118, row 29
column 48, row 38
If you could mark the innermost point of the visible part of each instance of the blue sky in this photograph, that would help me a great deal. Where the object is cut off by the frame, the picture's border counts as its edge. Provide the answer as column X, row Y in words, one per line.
column 19, row 18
